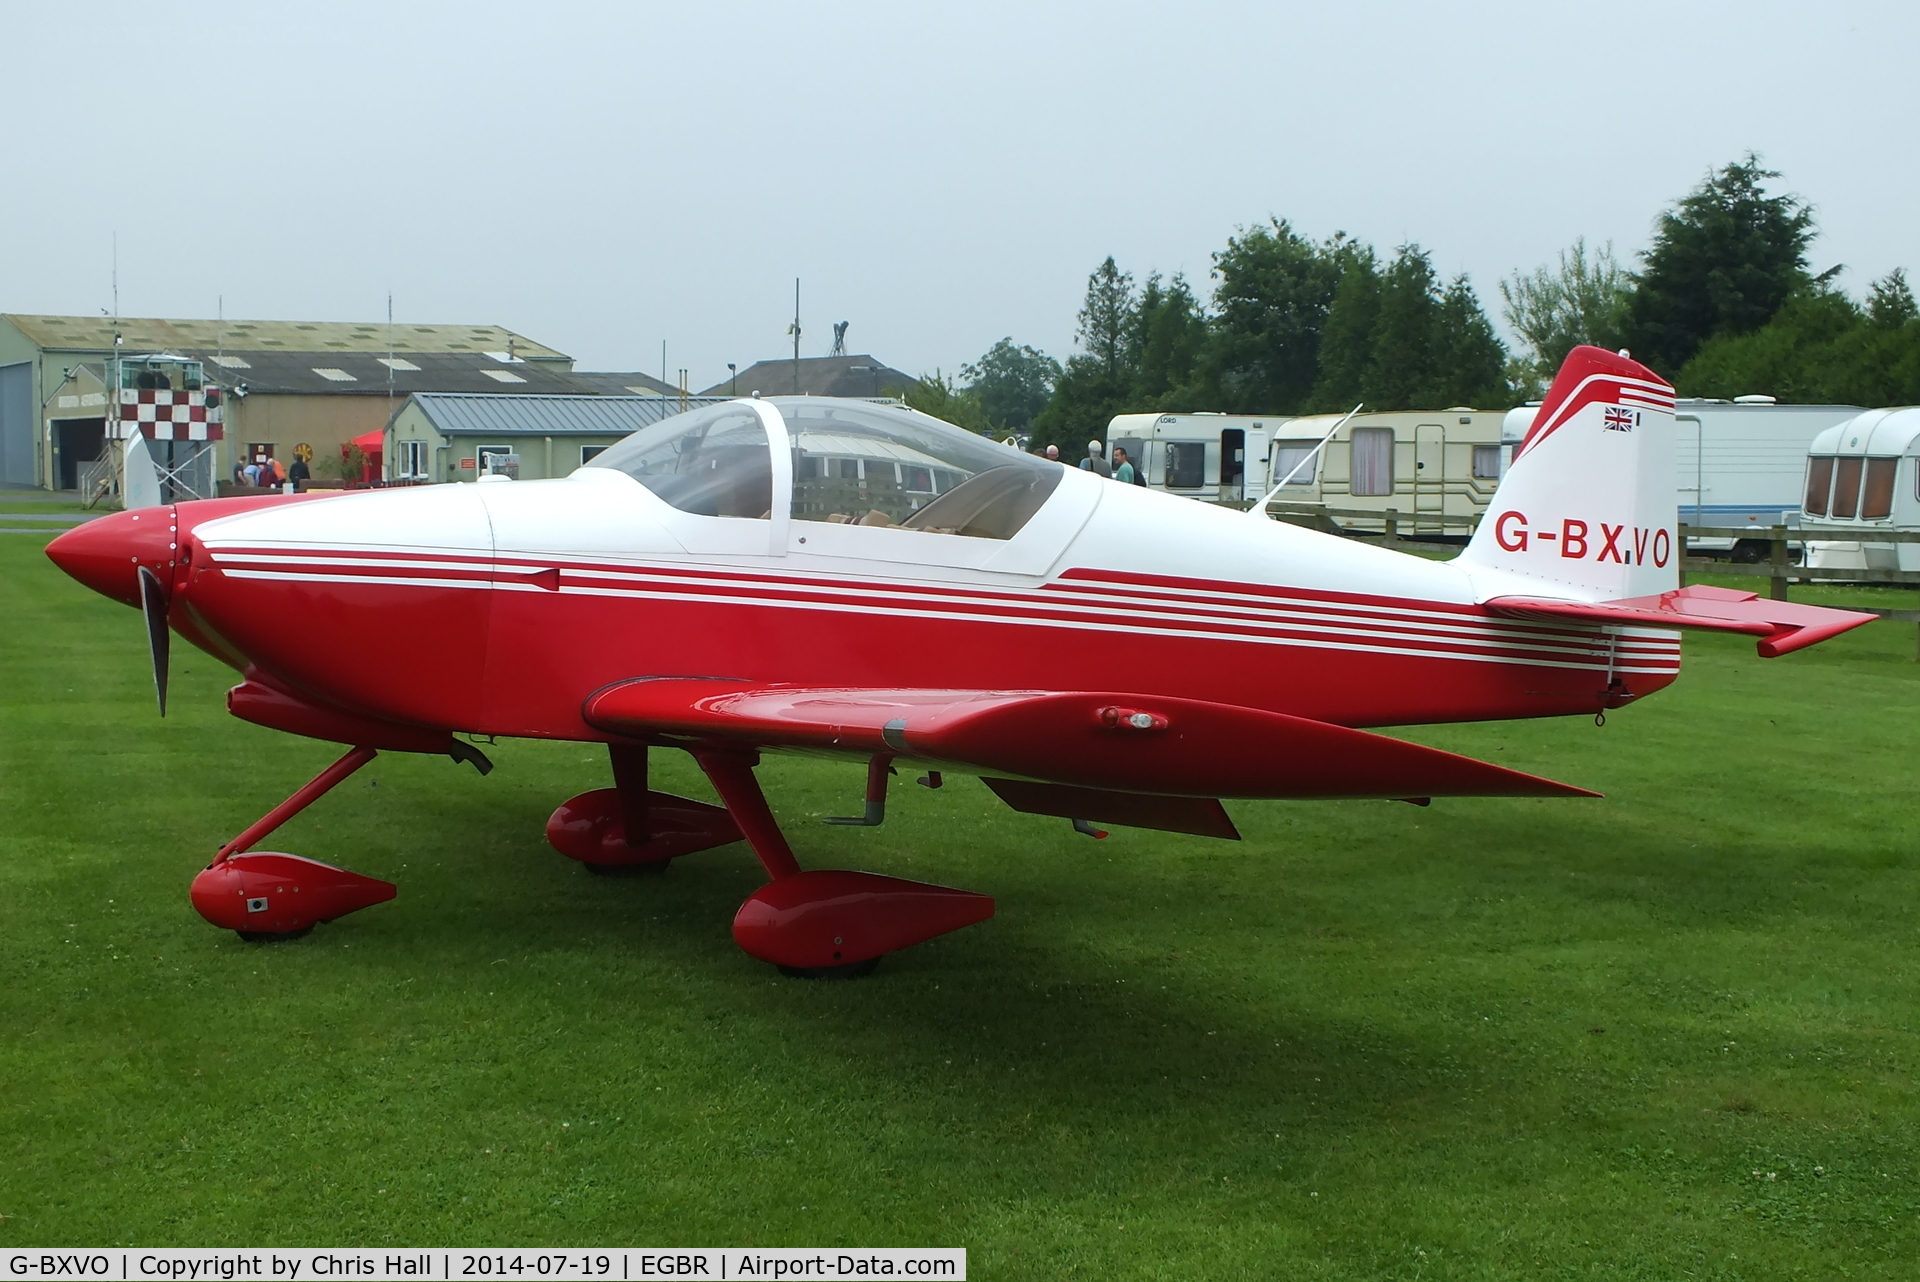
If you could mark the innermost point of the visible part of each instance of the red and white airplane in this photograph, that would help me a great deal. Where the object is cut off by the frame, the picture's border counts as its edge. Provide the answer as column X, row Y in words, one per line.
column 845, row 578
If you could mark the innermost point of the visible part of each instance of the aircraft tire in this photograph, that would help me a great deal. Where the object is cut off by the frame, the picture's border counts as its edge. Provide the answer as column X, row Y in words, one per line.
column 652, row 868
column 851, row 970
column 274, row 936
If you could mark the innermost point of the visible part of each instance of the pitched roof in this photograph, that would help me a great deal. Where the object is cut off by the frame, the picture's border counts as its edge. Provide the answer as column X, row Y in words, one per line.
column 635, row 384
column 858, row 376
column 336, row 373
column 95, row 334
column 519, row 415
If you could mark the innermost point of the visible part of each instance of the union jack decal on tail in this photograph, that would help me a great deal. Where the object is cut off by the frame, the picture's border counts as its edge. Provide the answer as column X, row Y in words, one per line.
column 1621, row 420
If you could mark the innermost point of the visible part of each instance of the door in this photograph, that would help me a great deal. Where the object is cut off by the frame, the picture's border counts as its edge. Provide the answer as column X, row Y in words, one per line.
column 1233, row 464
column 16, row 425
column 76, row 442
column 1429, row 476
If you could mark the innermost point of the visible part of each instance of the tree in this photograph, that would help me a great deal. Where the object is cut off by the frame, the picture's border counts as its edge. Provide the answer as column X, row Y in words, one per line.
column 1555, row 310
column 936, row 395
column 1723, row 261
column 1098, row 380
column 1269, row 308
column 1409, row 345
column 1346, row 341
column 1168, row 335
column 1890, row 301
column 1012, row 383
column 1820, row 348
column 1474, row 360
column 1106, row 318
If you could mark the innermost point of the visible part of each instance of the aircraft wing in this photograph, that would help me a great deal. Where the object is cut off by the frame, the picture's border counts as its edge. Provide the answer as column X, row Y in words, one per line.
column 1113, row 742
column 1782, row 626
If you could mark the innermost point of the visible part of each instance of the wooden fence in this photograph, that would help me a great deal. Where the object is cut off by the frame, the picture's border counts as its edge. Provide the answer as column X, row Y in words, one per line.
column 1780, row 571
column 1778, row 568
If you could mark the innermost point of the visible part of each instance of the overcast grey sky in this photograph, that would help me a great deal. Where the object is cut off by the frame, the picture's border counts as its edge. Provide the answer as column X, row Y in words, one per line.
column 603, row 177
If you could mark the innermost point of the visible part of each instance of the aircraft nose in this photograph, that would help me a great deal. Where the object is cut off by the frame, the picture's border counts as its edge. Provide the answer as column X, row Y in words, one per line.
column 106, row 554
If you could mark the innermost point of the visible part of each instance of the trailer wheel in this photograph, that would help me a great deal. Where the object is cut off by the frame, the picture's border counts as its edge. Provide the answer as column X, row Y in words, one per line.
column 1751, row 551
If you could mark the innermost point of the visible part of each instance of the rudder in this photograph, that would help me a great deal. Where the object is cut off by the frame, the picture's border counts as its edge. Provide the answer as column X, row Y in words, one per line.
column 1587, row 509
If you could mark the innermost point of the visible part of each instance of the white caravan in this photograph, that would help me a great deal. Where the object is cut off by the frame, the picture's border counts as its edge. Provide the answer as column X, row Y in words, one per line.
column 1863, row 475
column 1418, row 465
column 1215, row 457
column 1736, row 463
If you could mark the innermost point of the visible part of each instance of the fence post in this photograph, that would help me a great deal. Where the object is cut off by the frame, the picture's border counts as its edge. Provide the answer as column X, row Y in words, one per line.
column 1393, row 526
column 1779, row 562
column 1680, row 550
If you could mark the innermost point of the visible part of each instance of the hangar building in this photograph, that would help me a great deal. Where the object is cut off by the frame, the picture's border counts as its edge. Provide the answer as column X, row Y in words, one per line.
column 288, row 384
column 443, row 436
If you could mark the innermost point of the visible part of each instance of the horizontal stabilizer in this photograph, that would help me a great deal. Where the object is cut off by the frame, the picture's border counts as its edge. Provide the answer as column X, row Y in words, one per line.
column 1782, row 626
column 1116, row 742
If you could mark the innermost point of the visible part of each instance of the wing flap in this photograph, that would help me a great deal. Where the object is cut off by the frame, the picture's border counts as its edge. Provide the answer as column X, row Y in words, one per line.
column 1199, row 816
column 1781, row 626
column 1113, row 742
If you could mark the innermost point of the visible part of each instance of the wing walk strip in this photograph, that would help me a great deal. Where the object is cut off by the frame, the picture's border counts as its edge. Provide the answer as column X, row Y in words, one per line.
column 1271, row 618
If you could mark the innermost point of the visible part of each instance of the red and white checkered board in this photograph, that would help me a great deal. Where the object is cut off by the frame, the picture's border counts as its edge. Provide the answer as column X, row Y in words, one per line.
column 170, row 414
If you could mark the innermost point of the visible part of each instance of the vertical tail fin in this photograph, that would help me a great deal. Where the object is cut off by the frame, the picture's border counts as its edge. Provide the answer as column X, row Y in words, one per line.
column 1587, row 509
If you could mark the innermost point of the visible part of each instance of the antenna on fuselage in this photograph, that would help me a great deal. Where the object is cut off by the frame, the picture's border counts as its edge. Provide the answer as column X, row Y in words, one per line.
column 1259, row 510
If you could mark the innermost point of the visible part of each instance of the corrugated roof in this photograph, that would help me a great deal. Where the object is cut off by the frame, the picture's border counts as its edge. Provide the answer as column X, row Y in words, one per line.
column 853, row 376
column 624, row 384
column 95, row 333
column 366, row 373
column 507, row 414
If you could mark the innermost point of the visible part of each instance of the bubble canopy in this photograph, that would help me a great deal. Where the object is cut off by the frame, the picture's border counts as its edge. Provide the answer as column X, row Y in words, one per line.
column 839, row 461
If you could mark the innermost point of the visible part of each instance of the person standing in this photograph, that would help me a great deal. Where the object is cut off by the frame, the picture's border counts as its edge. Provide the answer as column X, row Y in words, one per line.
column 1123, row 466
column 1095, row 461
column 299, row 473
column 1053, row 453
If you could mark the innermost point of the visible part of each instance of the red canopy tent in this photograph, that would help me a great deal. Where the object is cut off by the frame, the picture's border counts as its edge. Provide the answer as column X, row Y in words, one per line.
column 372, row 445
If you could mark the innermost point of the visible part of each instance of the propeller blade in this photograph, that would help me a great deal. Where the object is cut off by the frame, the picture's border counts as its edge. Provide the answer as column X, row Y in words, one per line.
column 153, row 604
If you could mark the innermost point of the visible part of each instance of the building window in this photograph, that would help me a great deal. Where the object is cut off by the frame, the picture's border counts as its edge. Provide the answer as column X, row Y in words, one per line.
column 1371, row 464
column 498, row 460
column 588, row 453
column 1288, row 455
column 1486, row 462
column 413, row 459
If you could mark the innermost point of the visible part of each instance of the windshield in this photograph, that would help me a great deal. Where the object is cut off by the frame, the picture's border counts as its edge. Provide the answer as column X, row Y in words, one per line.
column 854, row 463
column 710, row 461
column 858, row 463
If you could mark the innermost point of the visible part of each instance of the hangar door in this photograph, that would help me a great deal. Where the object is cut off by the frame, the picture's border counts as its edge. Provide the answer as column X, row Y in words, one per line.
column 16, row 424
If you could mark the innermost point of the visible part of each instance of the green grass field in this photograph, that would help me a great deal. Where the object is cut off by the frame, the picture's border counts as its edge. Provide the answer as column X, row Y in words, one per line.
column 1672, row 1033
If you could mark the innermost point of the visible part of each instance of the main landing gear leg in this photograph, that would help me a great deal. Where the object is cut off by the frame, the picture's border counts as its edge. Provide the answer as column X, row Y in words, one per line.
column 265, row 896
column 825, row 923
column 629, row 828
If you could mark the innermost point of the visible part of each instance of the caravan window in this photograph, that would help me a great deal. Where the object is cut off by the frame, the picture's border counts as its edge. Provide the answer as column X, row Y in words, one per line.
column 1372, row 461
column 1486, row 462
column 1819, row 482
column 1288, row 455
column 1846, row 488
column 1186, row 465
column 1877, row 505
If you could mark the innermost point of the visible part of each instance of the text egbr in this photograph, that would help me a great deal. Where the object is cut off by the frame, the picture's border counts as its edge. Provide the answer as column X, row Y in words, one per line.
column 1578, row 541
